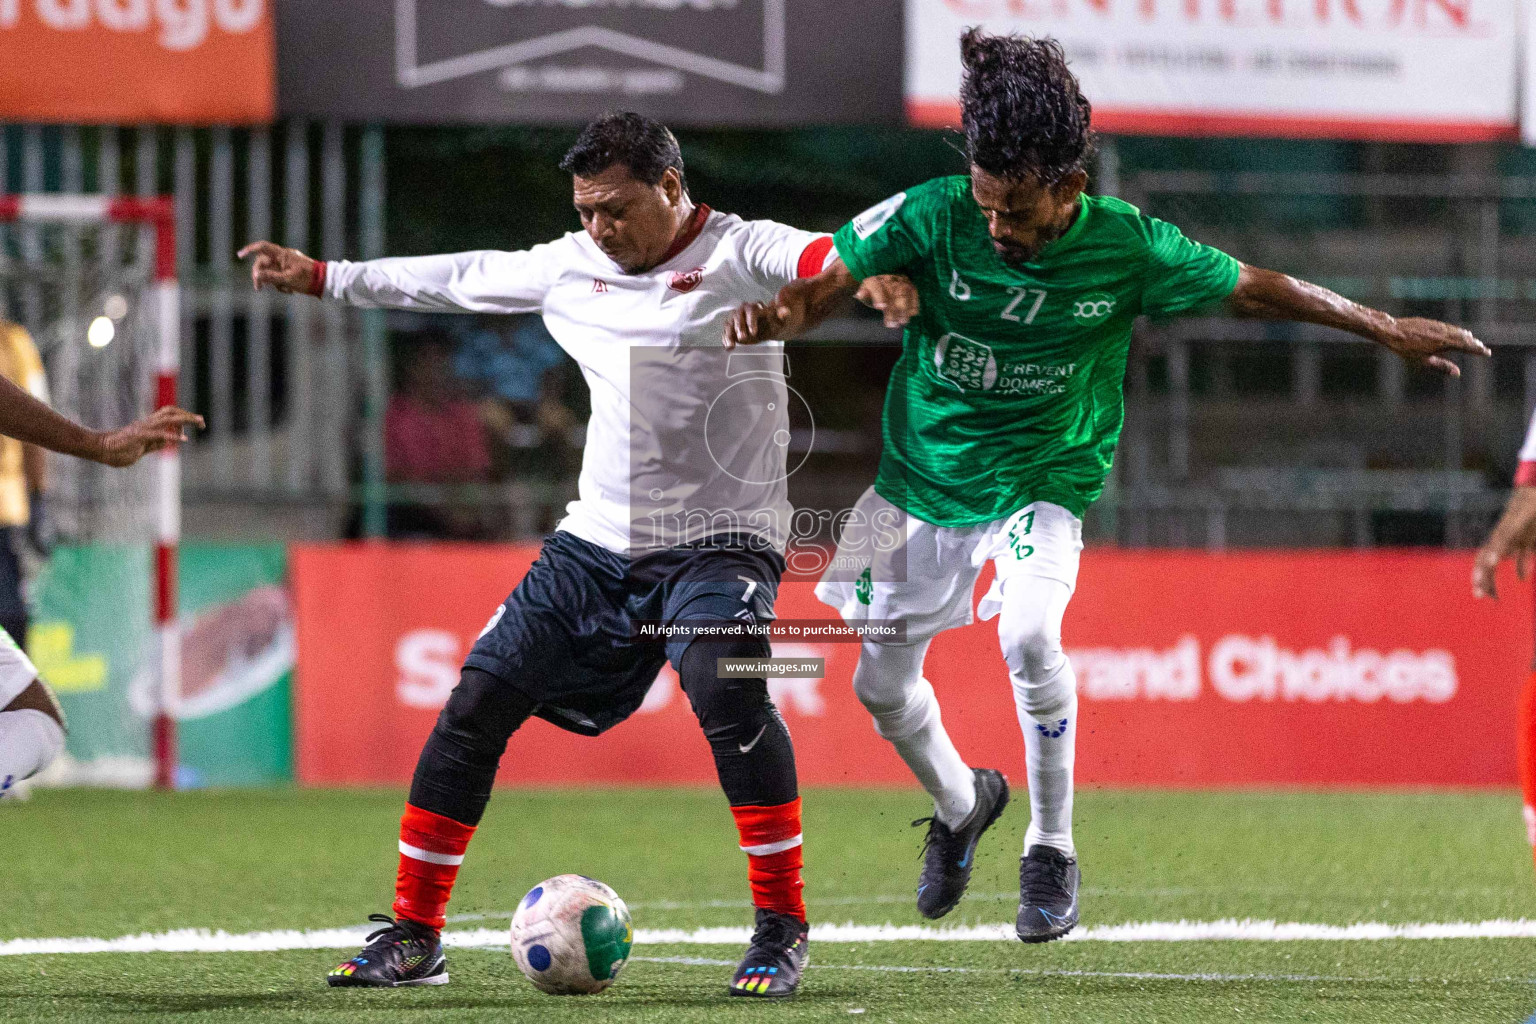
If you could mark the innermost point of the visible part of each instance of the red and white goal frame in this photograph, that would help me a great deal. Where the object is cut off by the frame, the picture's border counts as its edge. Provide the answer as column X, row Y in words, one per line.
column 157, row 213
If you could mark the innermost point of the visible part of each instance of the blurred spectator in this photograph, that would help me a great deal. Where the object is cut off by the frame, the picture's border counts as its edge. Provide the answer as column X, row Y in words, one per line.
column 433, row 435
column 515, row 362
column 508, row 357
column 525, row 380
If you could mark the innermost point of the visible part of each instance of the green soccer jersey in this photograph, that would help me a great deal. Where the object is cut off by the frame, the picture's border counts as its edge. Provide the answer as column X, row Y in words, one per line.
column 1009, row 389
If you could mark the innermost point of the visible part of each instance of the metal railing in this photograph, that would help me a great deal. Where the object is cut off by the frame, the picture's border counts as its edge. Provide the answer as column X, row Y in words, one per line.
column 1392, row 454
column 294, row 391
column 279, row 379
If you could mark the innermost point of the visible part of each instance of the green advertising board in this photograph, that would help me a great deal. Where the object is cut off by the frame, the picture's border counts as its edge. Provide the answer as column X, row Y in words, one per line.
column 92, row 640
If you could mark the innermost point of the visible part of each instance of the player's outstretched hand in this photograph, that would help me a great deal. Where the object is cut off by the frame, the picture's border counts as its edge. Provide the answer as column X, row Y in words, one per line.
column 1513, row 535
column 759, row 321
column 1426, row 343
column 892, row 294
column 1485, row 570
column 165, row 426
column 287, row 270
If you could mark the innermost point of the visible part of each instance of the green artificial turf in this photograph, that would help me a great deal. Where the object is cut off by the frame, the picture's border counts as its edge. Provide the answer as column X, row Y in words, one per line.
column 82, row 863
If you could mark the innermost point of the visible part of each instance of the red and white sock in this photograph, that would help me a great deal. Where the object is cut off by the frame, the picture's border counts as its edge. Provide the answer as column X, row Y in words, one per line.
column 1525, row 750
column 770, row 837
column 431, row 850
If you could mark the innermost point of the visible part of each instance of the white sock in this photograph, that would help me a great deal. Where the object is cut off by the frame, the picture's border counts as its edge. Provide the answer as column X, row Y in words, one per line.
column 889, row 680
column 1050, row 751
column 29, row 741
column 1045, row 697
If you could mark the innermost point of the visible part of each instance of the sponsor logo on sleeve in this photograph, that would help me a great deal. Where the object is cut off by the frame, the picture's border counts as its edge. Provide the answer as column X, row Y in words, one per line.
column 874, row 218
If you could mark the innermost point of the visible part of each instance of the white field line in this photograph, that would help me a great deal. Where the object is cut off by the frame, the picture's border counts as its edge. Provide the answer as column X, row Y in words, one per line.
column 200, row 940
column 1012, row 896
column 699, row 961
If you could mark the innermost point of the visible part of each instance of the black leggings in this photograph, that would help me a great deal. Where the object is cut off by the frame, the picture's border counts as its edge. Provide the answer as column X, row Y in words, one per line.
column 751, row 746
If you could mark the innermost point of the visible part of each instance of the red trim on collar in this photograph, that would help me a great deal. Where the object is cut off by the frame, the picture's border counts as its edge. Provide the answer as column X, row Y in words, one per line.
column 690, row 232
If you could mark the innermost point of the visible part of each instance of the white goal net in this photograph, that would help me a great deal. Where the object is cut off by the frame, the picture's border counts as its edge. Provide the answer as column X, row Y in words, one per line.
column 91, row 280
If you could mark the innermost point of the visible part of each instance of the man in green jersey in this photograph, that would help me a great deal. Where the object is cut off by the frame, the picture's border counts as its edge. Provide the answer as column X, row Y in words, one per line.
column 1000, row 425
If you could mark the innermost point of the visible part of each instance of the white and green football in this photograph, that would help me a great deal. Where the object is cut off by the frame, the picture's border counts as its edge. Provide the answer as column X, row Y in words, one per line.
column 571, row 935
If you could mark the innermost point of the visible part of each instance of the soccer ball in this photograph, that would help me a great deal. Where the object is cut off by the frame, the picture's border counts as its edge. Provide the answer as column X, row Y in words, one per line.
column 571, row 935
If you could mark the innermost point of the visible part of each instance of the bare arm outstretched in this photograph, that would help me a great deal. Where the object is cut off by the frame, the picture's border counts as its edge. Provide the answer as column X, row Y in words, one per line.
column 32, row 422
column 1271, row 295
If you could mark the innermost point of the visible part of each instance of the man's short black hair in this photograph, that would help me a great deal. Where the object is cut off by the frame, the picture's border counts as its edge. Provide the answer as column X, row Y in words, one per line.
column 1022, row 110
column 646, row 148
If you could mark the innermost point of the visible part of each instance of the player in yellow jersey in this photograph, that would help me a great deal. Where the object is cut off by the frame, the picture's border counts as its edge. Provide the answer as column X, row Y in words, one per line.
column 23, row 481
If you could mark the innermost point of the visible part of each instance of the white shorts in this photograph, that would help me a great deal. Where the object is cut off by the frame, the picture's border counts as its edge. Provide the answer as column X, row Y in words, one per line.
column 894, row 567
column 16, row 669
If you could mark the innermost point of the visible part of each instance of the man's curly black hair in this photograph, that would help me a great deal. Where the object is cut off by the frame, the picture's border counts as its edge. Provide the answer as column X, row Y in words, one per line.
column 1023, row 112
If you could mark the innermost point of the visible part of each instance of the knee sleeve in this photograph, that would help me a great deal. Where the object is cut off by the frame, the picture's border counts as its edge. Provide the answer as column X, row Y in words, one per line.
column 29, row 742
column 1031, row 648
column 1029, row 631
column 1054, row 698
column 1043, row 683
column 899, row 718
column 458, row 764
column 754, row 756
column 889, row 683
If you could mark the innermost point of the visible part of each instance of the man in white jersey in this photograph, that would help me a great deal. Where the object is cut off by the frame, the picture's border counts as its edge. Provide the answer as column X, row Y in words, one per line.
column 1514, row 535
column 31, row 722
column 678, row 530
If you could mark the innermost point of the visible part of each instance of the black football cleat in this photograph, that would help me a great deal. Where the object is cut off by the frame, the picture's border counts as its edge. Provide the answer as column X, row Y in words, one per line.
column 778, row 955
column 399, row 954
column 948, row 856
column 1048, row 881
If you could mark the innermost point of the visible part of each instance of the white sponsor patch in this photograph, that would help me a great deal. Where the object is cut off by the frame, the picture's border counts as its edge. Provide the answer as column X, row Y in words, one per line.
column 201, row 940
column 874, row 218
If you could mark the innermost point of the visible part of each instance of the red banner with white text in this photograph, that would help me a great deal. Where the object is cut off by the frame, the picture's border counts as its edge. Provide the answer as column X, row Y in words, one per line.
column 1286, row 668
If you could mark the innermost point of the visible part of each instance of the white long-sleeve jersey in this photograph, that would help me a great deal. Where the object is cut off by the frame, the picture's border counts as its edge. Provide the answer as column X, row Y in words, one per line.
column 686, row 440
column 1525, row 473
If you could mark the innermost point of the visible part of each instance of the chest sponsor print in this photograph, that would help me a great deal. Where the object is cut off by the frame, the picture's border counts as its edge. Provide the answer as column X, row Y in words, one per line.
column 967, row 364
column 1093, row 307
column 971, row 365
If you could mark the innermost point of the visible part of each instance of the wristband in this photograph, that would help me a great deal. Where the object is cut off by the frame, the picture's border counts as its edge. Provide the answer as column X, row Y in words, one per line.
column 317, row 280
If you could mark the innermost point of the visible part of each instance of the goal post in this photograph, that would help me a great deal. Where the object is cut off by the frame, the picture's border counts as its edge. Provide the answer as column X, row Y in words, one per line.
column 154, row 216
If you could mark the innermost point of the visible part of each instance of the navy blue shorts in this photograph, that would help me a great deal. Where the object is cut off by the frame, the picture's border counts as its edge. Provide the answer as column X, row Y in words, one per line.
column 570, row 637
